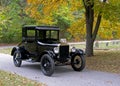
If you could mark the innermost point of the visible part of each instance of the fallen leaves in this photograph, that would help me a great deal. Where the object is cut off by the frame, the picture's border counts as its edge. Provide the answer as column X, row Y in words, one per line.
column 108, row 61
column 9, row 79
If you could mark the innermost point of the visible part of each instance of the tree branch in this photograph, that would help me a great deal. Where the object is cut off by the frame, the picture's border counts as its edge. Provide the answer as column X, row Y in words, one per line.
column 97, row 26
column 84, row 4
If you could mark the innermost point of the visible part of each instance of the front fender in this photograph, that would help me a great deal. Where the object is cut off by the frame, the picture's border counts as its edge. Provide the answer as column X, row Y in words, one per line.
column 78, row 51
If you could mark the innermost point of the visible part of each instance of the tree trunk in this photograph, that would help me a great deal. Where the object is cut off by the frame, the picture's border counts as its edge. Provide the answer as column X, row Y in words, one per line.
column 89, row 47
column 89, row 29
column 90, row 34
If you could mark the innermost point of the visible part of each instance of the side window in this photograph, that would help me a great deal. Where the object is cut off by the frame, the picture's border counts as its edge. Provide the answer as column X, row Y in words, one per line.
column 41, row 35
column 30, row 35
column 54, row 34
column 48, row 34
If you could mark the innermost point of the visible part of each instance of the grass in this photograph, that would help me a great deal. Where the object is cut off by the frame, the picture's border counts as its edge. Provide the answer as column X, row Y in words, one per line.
column 101, row 46
column 9, row 79
column 110, row 46
column 107, row 61
column 6, row 51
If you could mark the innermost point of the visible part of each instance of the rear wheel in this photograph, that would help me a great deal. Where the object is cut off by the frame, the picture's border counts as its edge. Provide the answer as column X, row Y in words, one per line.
column 47, row 65
column 17, row 58
column 78, row 62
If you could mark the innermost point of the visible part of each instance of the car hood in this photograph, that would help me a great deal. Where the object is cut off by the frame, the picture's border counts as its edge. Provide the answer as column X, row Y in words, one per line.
column 47, row 44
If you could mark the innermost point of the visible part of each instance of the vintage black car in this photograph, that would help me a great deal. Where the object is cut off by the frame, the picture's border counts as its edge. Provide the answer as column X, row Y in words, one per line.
column 42, row 44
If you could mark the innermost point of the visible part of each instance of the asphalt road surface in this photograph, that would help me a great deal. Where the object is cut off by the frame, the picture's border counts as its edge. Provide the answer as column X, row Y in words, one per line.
column 63, row 75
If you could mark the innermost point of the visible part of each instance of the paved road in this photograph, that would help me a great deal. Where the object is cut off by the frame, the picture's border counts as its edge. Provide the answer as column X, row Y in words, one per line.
column 4, row 47
column 63, row 76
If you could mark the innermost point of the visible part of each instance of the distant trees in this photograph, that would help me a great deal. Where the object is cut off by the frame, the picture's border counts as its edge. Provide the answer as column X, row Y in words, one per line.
column 12, row 18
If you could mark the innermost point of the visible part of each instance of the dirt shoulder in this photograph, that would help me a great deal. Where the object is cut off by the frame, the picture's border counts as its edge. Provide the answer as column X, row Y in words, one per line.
column 6, row 44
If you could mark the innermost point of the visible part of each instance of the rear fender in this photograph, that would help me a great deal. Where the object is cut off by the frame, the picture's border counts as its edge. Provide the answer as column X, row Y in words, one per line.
column 21, row 49
column 13, row 50
column 50, row 53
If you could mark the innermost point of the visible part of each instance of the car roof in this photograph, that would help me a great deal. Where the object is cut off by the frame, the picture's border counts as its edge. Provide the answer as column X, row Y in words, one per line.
column 41, row 27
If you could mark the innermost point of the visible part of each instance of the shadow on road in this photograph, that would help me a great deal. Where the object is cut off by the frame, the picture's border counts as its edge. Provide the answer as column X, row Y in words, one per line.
column 58, row 69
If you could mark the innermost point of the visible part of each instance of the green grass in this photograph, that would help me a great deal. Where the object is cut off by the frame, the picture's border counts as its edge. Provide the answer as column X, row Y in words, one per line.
column 9, row 79
column 110, row 46
column 6, row 50
column 101, row 46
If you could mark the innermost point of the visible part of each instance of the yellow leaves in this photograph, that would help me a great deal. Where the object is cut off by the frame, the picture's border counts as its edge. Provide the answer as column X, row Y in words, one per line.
column 34, row 2
column 49, row 8
column 46, row 20
column 53, row 5
column 105, row 23
column 109, row 30
column 76, row 4
column 77, row 29
column 117, row 30
column 33, row 12
column 42, row 15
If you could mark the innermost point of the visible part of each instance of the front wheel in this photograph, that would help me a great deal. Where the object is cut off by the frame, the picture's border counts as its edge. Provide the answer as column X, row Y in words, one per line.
column 47, row 65
column 78, row 62
column 17, row 58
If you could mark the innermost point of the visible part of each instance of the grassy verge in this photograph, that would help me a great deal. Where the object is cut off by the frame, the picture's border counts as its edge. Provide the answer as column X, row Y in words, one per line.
column 108, row 61
column 100, row 46
column 6, row 50
column 8, row 79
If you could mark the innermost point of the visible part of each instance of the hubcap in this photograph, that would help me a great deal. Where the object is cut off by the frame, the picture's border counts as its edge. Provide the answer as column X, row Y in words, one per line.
column 46, row 64
column 77, row 61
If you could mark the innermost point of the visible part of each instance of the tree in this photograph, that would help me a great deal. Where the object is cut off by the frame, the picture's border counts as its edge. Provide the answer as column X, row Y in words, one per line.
column 91, row 35
column 63, row 19
column 12, row 18
column 95, row 10
column 89, row 4
column 104, row 10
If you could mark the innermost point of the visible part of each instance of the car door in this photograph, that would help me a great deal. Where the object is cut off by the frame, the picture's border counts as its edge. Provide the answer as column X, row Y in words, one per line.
column 30, row 43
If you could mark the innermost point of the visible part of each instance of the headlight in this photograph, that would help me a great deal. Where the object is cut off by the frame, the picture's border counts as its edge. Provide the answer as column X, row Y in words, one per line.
column 73, row 49
column 56, row 50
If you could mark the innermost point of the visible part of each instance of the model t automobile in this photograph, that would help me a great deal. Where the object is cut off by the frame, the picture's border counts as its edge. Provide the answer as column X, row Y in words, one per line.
column 42, row 44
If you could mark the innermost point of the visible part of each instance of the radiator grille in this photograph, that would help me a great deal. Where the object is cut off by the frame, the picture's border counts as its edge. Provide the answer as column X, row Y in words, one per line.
column 64, row 52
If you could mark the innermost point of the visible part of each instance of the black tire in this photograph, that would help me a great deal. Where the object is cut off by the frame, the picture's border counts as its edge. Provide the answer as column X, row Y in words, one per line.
column 47, row 65
column 78, row 62
column 17, row 58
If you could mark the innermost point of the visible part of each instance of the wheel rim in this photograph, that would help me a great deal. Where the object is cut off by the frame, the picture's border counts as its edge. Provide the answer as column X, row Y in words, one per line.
column 46, row 64
column 77, row 61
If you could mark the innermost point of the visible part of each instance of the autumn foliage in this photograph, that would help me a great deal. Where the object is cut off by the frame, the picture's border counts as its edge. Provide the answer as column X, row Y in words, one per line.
column 42, row 11
column 69, row 15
